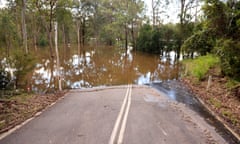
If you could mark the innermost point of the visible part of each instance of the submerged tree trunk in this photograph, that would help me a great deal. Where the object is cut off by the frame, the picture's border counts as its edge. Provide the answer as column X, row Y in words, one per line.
column 133, row 36
column 64, row 38
column 126, row 37
column 78, row 37
column 83, row 32
column 57, row 57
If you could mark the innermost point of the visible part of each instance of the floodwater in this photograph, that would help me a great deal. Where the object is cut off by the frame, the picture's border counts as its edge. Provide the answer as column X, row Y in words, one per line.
column 105, row 66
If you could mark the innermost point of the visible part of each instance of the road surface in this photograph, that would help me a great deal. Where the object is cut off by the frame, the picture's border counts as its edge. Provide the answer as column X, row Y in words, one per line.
column 115, row 115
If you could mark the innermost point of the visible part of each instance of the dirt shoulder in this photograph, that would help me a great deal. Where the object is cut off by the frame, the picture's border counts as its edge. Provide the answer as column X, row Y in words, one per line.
column 220, row 99
column 17, row 109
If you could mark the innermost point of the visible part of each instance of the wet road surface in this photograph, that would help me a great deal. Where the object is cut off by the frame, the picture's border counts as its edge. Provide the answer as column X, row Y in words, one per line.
column 177, row 91
column 89, row 116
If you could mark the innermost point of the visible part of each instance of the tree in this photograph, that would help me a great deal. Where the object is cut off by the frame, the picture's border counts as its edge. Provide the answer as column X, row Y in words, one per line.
column 216, row 17
column 201, row 42
column 23, row 63
column 24, row 27
column 8, row 31
column 158, row 7
column 144, row 38
column 229, row 52
column 185, row 18
column 48, row 10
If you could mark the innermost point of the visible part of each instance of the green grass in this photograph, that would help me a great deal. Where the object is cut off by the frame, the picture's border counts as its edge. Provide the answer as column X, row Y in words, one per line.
column 231, row 83
column 216, row 103
column 200, row 66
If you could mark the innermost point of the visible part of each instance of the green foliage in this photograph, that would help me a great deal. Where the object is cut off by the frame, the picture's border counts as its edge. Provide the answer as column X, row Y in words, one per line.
column 229, row 52
column 220, row 30
column 201, row 42
column 200, row 66
column 43, row 41
column 4, row 79
column 144, row 40
column 156, row 40
column 216, row 17
column 8, row 32
column 22, row 64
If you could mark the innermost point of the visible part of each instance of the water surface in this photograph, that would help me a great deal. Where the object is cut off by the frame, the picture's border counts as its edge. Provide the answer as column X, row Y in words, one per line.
column 105, row 66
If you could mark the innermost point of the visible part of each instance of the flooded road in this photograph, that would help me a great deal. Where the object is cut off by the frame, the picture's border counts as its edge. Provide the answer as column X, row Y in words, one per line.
column 106, row 66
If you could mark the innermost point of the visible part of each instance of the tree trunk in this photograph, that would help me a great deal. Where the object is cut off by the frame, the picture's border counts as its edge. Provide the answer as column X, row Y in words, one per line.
column 133, row 36
column 50, row 44
column 83, row 32
column 35, row 42
column 57, row 56
column 24, row 29
column 78, row 37
column 126, row 37
column 153, row 12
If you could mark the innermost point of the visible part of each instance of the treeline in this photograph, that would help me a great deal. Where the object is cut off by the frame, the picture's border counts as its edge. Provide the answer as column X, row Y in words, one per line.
column 217, row 31
column 28, row 24
column 208, row 26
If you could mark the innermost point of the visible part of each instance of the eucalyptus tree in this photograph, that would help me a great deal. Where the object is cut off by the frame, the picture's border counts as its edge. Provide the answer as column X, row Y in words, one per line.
column 24, row 27
column 123, row 19
column 8, row 32
column 17, row 11
column 186, row 16
column 158, row 7
column 82, row 11
column 47, row 10
column 65, row 20
column 136, row 17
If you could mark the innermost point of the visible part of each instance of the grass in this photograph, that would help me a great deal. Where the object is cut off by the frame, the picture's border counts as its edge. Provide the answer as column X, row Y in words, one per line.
column 198, row 67
column 231, row 83
column 216, row 103
column 229, row 115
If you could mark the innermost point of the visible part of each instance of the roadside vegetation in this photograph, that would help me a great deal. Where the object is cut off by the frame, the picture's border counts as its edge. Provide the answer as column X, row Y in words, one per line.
column 20, row 106
column 199, row 67
column 220, row 93
column 214, row 76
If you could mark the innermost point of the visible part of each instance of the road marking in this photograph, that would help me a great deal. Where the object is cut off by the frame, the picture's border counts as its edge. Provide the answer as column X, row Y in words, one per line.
column 123, row 127
column 124, row 111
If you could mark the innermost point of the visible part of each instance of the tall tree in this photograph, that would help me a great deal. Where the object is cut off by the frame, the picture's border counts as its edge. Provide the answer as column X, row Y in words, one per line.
column 24, row 27
column 185, row 17
column 48, row 9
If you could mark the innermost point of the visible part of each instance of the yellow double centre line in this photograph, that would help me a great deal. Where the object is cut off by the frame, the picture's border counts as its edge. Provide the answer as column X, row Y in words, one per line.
column 121, row 119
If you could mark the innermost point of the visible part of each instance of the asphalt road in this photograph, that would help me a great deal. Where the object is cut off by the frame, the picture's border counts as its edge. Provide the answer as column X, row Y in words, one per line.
column 115, row 115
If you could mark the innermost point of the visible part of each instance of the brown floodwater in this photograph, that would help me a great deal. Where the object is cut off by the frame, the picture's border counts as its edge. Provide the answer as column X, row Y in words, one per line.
column 105, row 66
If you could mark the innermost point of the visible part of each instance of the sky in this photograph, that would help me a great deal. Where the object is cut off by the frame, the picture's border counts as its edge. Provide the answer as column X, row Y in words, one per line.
column 2, row 3
column 171, row 11
column 171, row 14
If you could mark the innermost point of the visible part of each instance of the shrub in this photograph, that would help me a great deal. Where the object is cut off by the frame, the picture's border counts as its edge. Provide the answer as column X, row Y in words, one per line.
column 23, row 64
column 229, row 52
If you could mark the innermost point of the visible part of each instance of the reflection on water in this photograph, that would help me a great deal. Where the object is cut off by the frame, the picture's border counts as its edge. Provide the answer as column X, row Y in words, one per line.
column 106, row 66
